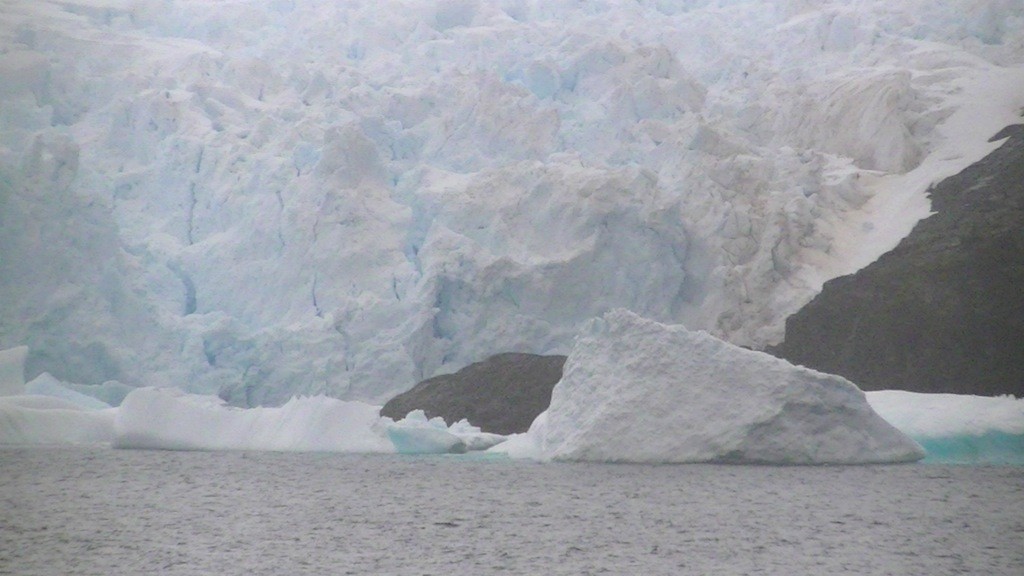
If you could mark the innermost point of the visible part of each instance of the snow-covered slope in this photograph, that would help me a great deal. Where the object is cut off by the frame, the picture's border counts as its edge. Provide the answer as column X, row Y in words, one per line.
column 271, row 197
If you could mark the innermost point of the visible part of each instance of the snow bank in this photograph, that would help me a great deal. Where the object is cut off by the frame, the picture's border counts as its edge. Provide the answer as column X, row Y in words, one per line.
column 956, row 428
column 634, row 390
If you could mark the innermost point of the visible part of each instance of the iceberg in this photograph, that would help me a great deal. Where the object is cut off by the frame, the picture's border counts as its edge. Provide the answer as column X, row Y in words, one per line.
column 42, row 420
column 416, row 434
column 957, row 428
column 46, row 385
column 952, row 428
column 110, row 392
column 53, row 417
column 171, row 419
column 635, row 390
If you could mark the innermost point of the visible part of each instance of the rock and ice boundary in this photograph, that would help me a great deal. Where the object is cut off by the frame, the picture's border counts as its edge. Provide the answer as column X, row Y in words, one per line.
column 635, row 390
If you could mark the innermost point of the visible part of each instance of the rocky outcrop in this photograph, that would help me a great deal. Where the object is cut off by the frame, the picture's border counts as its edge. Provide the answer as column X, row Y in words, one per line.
column 944, row 310
column 502, row 394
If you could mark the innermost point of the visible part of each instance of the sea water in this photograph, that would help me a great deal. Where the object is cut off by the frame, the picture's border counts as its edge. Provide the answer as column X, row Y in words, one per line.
column 103, row 511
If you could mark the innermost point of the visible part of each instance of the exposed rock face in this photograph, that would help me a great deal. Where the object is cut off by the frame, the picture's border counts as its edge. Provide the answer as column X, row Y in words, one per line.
column 944, row 310
column 502, row 394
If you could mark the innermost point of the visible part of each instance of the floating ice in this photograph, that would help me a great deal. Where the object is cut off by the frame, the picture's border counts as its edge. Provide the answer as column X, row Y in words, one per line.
column 955, row 428
column 47, row 385
column 44, row 412
column 171, row 419
column 952, row 428
column 634, row 390
column 416, row 434
column 110, row 392
column 473, row 437
column 30, row 419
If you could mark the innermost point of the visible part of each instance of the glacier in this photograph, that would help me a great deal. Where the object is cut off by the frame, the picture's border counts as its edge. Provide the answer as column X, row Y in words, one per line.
column 265, row 199
column 303, row 207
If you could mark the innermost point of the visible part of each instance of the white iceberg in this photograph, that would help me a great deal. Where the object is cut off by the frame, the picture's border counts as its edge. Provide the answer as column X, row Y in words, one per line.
column 416, row 434
column 635, row 390
column 957, row 428
column 169, row 418
column 46, row 385
column 35, row 420
column 43, row 412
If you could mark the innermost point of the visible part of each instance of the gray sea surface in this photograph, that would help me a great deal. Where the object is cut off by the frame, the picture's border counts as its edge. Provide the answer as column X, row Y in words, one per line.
column 103, row 511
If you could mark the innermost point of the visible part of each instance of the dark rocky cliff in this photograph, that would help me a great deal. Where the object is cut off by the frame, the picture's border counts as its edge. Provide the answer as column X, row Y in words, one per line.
column 502, row 394
column 944, row 310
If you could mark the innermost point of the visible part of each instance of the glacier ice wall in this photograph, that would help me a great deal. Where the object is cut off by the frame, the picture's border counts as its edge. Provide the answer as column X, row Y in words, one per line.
column 275, row 197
